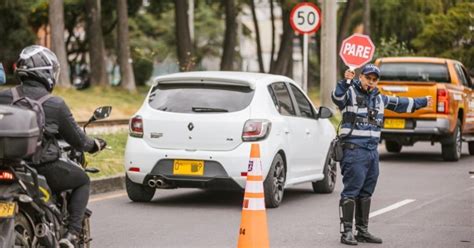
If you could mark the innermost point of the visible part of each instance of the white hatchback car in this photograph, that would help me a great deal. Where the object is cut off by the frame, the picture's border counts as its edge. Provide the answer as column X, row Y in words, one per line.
column 195, row 130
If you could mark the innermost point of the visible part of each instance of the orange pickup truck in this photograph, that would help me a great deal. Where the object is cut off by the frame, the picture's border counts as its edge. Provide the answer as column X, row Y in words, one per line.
column 450, row 119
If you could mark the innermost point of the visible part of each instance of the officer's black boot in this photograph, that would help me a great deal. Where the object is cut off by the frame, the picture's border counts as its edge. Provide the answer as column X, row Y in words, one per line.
column 362, row 222
column 346, row 213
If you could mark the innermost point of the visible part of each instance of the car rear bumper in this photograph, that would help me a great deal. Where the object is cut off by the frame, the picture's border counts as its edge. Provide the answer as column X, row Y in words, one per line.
column 437, row 126
column 222, row 169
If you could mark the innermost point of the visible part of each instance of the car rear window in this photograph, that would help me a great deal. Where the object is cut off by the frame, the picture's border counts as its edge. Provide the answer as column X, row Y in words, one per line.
column 419, row 72
column 200, row 98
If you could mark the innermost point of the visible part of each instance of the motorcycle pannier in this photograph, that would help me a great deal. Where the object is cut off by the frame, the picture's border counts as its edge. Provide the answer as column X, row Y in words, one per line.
column 19, row 133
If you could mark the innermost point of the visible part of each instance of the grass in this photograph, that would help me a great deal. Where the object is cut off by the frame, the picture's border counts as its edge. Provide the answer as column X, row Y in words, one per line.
column 83, row 102
column 109, row 161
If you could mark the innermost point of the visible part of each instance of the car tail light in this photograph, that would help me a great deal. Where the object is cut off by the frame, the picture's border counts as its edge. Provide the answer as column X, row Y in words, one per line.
column 443, row 101
column 136, row 127
column 256, row 130
column 134, row 169
column 6, row 175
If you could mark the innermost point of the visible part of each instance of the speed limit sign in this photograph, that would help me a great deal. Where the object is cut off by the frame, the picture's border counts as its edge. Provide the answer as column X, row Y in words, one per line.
column 305, row 18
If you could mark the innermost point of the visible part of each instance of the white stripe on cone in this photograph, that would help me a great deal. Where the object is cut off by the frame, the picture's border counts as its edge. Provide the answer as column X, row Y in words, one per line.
column 254, row 204
column 254, row 187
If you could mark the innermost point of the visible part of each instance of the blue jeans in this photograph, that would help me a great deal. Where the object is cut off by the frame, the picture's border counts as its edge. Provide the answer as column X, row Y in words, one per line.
column 360, row 171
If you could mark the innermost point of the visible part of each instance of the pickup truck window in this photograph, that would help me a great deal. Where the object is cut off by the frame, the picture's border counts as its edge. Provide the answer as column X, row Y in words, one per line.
column 419, row 72
column 463, row 76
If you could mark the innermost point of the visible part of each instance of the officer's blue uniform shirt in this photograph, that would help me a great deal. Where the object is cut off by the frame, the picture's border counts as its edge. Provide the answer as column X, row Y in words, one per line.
column 367, row 134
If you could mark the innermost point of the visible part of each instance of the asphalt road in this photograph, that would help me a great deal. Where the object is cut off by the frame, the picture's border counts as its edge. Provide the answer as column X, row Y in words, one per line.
column 420, row 201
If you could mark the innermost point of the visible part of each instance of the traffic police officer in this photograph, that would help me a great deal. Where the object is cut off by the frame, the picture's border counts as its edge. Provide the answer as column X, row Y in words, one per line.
column 362, row 108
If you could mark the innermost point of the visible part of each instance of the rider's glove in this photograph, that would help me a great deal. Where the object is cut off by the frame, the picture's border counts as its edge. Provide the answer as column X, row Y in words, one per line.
column 99, row 145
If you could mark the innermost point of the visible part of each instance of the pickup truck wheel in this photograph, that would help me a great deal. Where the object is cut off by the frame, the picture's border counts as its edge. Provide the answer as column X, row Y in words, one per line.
column 393, row 146
column 471, row 147
column 137, row 192
column 274, row 184
column 327, row 185
column 451, row 151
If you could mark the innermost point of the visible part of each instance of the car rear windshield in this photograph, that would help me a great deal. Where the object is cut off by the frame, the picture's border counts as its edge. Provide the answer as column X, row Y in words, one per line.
column 200, row 98
column 419, row 72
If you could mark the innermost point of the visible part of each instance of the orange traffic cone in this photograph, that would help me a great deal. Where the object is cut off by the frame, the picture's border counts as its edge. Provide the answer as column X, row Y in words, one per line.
column 253, row 226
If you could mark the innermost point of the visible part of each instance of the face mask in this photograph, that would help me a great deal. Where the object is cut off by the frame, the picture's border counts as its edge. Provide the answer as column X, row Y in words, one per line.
column 2, row 75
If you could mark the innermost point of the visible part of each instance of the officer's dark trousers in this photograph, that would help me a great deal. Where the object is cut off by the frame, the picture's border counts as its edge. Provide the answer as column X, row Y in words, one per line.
column 62, row 176
column 360, row 170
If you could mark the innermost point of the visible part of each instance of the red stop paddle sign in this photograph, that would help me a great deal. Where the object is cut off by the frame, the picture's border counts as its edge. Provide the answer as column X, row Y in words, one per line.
column 357, row 50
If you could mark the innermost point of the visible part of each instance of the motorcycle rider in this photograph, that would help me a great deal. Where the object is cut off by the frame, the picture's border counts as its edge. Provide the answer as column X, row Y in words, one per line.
column 38, row 69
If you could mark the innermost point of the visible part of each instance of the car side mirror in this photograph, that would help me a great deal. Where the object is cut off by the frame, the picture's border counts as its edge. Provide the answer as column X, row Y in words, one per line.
column 324, row 112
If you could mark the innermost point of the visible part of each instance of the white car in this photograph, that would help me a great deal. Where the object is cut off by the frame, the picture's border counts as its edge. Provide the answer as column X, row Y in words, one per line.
column 195, row 130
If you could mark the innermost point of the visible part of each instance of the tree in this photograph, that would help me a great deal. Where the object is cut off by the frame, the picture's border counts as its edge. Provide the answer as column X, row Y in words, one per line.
column 449, row 35
column 185, row 47
column 56, row 22
column 126, row 72
column 257, row 33
column 284, row 62
column 367, row 17
column 272, row 17
column 96, row 43
column 230, row 38
column 15, row 32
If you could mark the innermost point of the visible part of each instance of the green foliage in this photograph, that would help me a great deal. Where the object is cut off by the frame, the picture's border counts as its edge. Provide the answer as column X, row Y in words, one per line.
column 209, row 30
column 449, row 35
column 392, row 48
column 403, row 19
column 15, row 32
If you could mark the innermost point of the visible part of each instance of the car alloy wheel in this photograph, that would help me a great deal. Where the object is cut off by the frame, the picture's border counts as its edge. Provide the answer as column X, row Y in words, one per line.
column 274, row 183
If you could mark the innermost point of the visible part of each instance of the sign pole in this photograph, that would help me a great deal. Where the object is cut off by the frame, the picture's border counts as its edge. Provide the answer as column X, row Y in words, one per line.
column 305, row 18
column 305, row 63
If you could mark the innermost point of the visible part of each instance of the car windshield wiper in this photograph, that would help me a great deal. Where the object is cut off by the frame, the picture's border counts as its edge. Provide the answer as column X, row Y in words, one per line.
column 206, row 109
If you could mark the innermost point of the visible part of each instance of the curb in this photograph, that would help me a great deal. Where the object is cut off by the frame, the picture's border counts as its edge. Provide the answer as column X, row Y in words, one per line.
column 104, row 185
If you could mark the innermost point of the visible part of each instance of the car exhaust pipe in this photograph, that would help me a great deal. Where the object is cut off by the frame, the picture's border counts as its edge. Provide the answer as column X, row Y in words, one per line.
column 160, row 183
column 152, row 183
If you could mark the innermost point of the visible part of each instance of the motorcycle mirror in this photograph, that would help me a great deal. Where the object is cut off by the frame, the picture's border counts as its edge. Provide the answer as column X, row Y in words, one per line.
column 101, row 113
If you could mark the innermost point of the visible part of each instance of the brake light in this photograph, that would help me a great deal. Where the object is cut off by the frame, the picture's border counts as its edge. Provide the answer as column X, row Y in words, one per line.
column 6, row 175
column 256, row 130
column 136, row 127
column 443, row 101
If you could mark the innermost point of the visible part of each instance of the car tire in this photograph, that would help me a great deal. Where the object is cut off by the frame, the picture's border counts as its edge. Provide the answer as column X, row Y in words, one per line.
column 451, row 150
column 471, row 147
column 137, row 192
column 393, row 146
column 274, row 184
column 328, row 184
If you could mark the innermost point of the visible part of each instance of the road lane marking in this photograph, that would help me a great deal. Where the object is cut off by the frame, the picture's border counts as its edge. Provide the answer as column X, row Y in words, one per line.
column 106, row 197
column 472, row 177
column 391, row 207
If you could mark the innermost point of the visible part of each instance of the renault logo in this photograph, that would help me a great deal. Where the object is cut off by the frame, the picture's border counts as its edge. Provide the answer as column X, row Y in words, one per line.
column 190, row 126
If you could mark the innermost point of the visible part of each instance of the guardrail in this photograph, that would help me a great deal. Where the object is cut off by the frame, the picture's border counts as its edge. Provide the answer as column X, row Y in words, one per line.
column 102, row 123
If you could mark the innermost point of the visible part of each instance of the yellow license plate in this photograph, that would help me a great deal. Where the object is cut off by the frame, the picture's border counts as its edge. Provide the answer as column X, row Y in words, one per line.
column 7, row 209
column 394, row 123
column 188, row 167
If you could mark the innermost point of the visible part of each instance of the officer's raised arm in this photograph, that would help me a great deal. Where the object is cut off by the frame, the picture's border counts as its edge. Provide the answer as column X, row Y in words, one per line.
column 340, row 95
column 405, row 104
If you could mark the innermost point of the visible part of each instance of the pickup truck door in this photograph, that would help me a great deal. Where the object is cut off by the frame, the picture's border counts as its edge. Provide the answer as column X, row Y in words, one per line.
column 468, row 92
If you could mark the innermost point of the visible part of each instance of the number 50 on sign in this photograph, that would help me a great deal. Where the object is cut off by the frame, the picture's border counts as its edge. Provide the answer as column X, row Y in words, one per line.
column 305, row 18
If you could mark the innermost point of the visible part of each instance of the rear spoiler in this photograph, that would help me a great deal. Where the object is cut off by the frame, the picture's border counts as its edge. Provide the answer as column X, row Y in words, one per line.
column 204, row 80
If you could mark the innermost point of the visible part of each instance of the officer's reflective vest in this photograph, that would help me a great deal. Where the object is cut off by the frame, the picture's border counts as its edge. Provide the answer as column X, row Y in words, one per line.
column 363, row 111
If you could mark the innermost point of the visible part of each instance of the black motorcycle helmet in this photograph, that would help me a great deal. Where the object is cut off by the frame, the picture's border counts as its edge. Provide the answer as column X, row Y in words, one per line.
column 39, row 64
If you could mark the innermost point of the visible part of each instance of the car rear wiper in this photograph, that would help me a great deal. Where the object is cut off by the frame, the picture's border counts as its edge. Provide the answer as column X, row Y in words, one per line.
column 206, row 109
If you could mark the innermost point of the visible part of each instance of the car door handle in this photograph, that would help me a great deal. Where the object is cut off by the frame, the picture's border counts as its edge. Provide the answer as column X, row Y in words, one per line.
column 308, row 132
column 286, row 131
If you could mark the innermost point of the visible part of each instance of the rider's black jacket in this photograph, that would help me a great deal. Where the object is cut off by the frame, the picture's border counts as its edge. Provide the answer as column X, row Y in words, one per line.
column 59, row 119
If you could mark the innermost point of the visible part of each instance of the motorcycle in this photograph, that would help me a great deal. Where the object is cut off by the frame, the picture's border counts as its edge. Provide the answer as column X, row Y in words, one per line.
column 31, row 215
